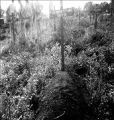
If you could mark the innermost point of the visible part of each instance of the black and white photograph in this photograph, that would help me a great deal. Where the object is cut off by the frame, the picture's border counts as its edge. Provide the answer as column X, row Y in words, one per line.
column 56, row 59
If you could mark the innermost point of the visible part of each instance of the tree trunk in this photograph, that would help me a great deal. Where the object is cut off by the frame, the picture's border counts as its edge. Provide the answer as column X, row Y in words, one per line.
column 90, row 18
column 54, row 20
column 112, row 7
column 13, row 31
column 79, row 18
column 62, row 39
column 0, row 9
column 95, row 24
column 112, row 14
column 38, row 35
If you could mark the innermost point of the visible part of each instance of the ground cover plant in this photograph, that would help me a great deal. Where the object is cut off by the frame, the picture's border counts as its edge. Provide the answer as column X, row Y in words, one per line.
column 32, row 85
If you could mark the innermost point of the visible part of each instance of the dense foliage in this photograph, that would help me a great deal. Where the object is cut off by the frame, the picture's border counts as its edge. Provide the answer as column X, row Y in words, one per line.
column 32, row 85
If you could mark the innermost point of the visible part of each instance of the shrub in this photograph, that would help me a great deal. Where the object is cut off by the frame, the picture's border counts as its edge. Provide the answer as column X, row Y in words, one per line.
column 50, row 72
column 77, row 33
column 84, row 23
column 76, row 48
column 60, row 99
column 98, row 37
